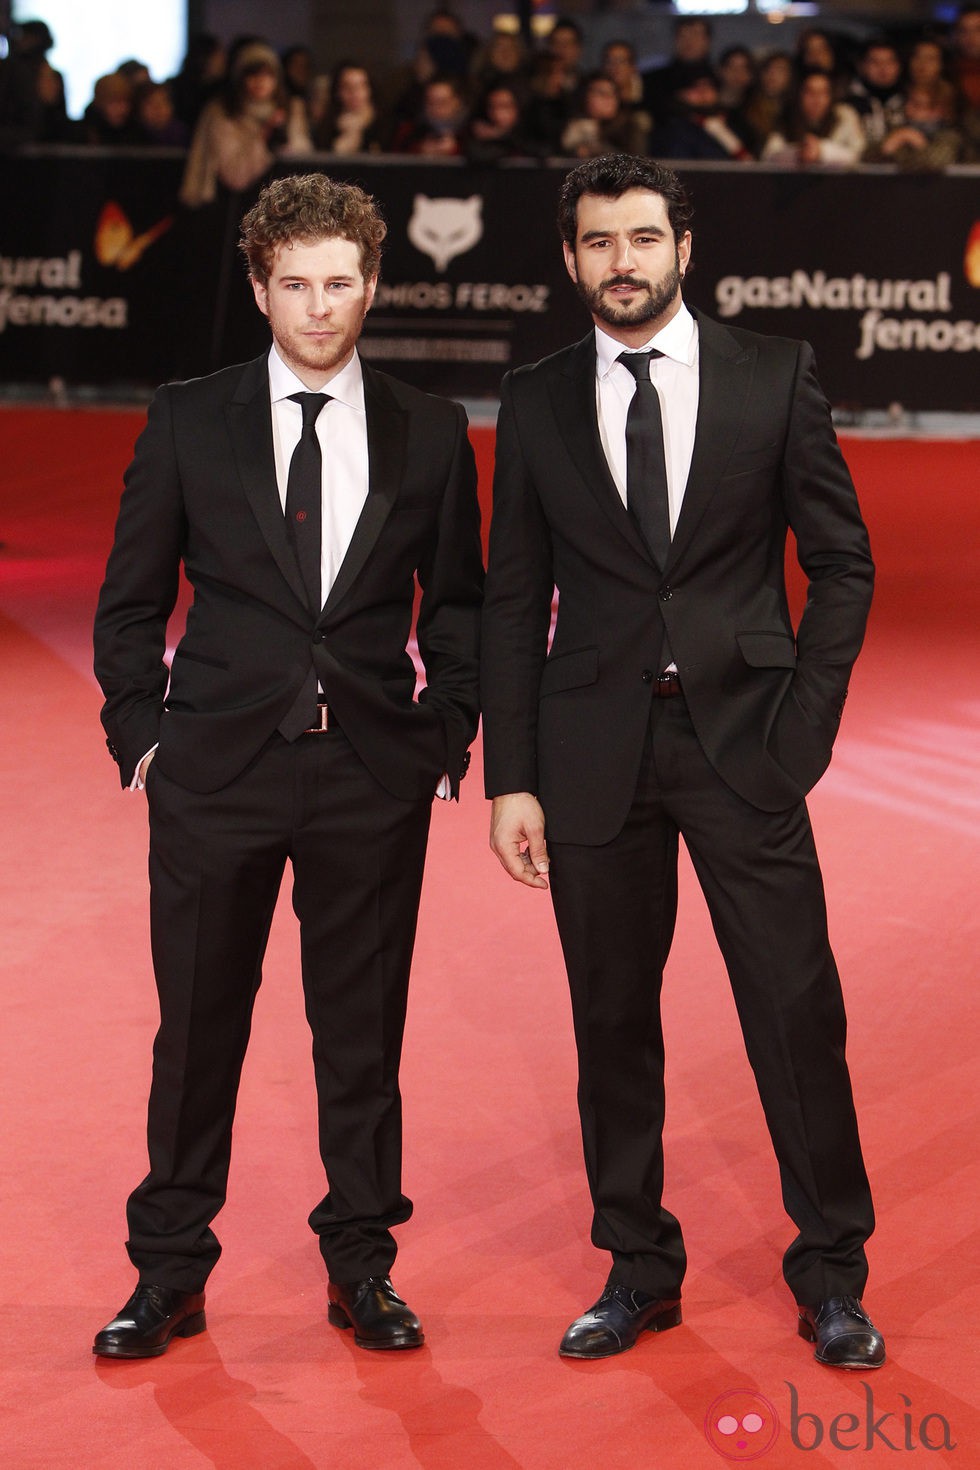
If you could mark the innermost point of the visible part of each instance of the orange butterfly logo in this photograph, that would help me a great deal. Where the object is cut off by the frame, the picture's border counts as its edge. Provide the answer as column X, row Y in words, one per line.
column 971, row 256
column 115, row 243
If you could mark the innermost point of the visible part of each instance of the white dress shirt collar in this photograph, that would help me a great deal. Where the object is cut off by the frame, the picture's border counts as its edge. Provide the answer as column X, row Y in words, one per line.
column 347, row 387
column 677, row 340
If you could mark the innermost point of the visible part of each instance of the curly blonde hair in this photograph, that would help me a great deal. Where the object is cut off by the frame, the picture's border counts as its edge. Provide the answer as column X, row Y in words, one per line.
column 310, row 207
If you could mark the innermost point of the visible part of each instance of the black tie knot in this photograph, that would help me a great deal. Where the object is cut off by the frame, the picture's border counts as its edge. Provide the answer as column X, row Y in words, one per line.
column 311, row 404
column 638, row 363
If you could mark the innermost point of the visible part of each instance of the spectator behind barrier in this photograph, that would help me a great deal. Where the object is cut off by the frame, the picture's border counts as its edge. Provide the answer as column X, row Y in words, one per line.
column 603, row 124
column 876, row 93
column 306, row 89
column 496, row 129
column 965, row 76
column 566, row 44
column 32, row 93
column 549, row 107
column 156, row 121
column 817, row 130
column 692, row 49
column 737, row 74
column 108, row 120
column 445, row 49
column 200, row 78
column 818, row 50
column 765, row 107
column 926, row 139
column 239, row 134
column 437, row 130
column 502, row 63
column 618, row 63
column 352, row 123
column 697, row 125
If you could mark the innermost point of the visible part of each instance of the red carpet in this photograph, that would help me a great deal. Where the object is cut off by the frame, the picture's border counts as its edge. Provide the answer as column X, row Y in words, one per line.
column 497, row 1258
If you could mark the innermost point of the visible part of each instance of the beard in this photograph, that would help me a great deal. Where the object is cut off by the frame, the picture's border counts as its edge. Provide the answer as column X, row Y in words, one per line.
column 655, row 299
column 301, row 352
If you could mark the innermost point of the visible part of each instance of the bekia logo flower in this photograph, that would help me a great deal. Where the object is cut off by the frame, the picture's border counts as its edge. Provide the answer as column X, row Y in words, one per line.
column 741, row 1425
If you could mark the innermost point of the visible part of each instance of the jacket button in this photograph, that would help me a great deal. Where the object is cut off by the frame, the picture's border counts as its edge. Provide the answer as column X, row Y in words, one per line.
column 665, row 594
column 318, row 637
column 647, row 676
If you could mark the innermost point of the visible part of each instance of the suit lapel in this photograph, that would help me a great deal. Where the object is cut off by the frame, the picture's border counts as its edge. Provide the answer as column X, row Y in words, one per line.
column 387, row 433
column 249, row 418
column 725, row 377
column 574, row 402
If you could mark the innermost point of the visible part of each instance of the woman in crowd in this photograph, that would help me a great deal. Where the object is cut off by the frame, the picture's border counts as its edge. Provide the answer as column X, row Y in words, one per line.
column 926, row 62
column 764, row 107
column 503, row 63
column 437, row 129
column 496, row 129
column 737, row 75
column 156, row 120
column 602, row 124
column 239, row 134
column 619, row 65
column 108, row 120
column 818, row 50
column 817, row 130
column 351, row 123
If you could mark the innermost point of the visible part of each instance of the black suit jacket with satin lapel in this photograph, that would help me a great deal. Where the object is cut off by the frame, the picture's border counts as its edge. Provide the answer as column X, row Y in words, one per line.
column 765, row 699
column 202, row 490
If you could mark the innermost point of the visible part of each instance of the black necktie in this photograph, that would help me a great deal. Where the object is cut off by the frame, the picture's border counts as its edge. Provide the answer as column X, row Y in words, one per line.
column 303, row 494
column 646, row 466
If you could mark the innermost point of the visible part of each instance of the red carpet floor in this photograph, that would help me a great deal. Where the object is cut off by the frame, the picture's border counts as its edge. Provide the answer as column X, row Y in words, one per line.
column 497, row 1258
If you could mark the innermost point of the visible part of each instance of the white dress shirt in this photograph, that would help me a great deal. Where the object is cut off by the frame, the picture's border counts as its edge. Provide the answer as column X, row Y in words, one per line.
column 342, row 431
column 675, row 377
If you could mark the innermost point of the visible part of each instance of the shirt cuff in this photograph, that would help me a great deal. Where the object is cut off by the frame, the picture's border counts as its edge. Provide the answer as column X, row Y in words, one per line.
column 136, row 784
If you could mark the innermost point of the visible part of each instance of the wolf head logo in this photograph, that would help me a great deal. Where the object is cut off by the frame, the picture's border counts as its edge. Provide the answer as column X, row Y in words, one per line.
column 445, row 228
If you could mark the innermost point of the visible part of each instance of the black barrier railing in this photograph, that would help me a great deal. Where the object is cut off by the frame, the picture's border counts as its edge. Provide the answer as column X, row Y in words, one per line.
column 104, row 280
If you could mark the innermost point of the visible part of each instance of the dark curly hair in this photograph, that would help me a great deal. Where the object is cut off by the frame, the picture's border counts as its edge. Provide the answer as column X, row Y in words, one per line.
column 612, row 175
column 310, row 207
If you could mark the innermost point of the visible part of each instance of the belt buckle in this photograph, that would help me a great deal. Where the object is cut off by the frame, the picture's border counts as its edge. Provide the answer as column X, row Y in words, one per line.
column 322, row 725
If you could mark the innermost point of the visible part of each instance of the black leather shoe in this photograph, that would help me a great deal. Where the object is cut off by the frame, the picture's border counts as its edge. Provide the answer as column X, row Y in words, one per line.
column 616, row 1321
column 151, row 1317
column 845, row 1335
column 376, row 1312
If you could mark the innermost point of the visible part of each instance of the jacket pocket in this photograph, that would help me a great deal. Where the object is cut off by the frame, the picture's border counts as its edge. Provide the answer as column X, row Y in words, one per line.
column 200, row 658
column 572, row 670
column 767, row 650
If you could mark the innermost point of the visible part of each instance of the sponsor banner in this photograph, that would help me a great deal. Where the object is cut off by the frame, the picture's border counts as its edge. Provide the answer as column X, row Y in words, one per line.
column 104, row 280
column 880, row 272
column 88, row 275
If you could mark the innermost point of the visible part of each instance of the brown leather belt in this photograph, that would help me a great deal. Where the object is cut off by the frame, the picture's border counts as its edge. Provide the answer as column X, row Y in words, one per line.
column 323, row 723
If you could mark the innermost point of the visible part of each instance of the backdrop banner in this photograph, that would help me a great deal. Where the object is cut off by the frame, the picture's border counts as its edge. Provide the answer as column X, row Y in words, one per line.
column 105, row 280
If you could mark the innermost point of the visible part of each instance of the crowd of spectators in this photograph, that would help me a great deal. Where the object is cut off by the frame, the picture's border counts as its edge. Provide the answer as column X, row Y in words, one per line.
column 913, row 103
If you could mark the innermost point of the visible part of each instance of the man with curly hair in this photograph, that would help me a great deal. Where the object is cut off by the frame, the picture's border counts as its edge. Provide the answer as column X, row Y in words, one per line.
column 303, row 493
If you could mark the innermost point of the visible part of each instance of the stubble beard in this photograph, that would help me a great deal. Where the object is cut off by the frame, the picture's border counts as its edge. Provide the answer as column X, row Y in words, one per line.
column 653, row 303
column 299, row 351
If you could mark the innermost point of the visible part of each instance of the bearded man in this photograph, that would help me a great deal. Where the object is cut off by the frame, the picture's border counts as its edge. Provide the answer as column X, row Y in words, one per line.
column 650, row 473
column 304, row 493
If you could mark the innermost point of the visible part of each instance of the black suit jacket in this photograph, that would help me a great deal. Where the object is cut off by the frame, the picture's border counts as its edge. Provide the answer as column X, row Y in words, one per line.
column 765, row 699
column 202, row 489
